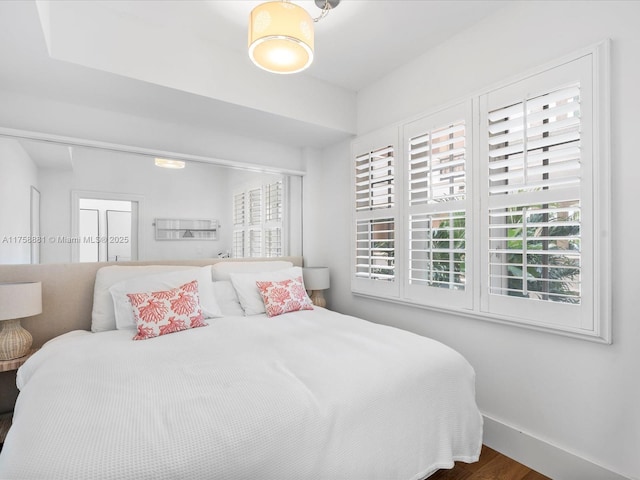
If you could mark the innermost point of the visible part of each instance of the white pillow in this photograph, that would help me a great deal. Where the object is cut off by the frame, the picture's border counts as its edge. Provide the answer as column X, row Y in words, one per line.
column 103, row 316
column 227, row 299
column 164, row 281
column 247, row 290
column 222, row 270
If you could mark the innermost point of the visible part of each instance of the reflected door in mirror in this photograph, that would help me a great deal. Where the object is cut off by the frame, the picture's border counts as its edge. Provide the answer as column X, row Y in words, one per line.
column 106, row 230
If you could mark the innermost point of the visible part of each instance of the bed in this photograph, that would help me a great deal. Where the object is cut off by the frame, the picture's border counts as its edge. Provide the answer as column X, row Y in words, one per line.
column 302, row 394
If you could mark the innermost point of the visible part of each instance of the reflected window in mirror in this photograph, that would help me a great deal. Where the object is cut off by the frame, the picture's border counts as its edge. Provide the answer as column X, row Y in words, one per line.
column 258, row 220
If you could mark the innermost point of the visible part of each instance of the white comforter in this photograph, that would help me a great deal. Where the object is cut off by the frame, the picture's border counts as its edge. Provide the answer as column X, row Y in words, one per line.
column 307, row 395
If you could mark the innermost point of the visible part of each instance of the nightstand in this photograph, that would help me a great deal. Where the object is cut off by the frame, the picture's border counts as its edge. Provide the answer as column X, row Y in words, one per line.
column 6, row 366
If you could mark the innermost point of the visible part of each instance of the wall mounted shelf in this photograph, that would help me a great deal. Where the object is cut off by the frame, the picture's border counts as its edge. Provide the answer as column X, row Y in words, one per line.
column 186, row 229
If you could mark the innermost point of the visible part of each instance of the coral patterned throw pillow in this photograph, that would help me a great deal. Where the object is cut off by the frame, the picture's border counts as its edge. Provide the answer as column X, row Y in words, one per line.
column 159, row 313
column 284, row 296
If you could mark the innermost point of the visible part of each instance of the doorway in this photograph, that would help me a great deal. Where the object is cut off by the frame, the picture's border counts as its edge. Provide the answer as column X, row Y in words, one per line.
column 106, row 227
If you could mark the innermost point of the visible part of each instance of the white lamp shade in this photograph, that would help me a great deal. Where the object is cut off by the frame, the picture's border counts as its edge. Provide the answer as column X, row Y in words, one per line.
column 315, row 278
column 19, row 300
column 281, row 37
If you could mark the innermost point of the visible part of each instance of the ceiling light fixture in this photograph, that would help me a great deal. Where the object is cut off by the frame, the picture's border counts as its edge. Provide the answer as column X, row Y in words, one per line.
column 281, row 35
column 168, row 163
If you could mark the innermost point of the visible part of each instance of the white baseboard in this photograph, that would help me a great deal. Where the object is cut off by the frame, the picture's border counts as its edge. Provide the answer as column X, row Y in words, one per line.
column 541, row 456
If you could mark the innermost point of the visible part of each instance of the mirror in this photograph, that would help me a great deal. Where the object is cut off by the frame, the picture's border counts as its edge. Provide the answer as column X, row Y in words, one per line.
column 64, row 203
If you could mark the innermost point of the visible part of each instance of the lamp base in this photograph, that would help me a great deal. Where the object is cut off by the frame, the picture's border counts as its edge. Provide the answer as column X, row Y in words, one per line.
column 15, row 341
column 317, row 298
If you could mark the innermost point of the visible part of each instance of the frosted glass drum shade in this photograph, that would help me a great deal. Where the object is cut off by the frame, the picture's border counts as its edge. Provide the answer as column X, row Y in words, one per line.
column 280, row 37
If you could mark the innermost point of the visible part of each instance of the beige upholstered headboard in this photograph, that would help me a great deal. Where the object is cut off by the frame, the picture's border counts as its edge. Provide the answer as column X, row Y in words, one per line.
column 67, row 291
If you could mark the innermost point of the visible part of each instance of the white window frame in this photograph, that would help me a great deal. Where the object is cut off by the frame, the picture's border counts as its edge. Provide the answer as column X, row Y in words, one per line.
column 375, row 141
column 430, row 295
column 561, row 315
column 592, row 320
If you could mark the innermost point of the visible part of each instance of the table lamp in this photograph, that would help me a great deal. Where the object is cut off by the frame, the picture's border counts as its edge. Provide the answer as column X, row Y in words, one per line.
column 17, row 300
column 316, row 279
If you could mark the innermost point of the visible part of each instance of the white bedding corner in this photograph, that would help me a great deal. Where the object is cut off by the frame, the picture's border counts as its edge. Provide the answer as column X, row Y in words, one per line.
column 306, row 395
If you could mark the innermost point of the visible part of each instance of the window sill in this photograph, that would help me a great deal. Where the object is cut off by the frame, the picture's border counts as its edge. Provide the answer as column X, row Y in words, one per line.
column 581, row 334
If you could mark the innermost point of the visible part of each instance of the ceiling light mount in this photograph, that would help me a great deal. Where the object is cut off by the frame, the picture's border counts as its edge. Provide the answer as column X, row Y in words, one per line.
column 325, row 6
column 322, row 3
column 281, row 38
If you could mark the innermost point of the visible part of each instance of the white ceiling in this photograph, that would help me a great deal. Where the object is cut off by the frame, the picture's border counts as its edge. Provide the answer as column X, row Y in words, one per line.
column 356, row 44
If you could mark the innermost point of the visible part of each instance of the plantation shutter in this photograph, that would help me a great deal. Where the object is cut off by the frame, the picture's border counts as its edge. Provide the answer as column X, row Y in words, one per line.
column 375, row 242
column 258, row 215
column 273, row 242
column 273, row 194
column 255, row 206
column 438, row 184
column 538, row 213
column 238, row 209
column 255, row 242
column 273, row 201
column 239, row 215
column 255, row 216
column 238, row 244
column 375, row 179
column 534, row 145
column 375, row 249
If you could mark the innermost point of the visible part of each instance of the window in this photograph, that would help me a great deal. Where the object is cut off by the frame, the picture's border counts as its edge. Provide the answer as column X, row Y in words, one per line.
column 437, row 149
column 375, row 249
column 495, row 207
column 258, row 221
column 375, row 223
column 538, row 215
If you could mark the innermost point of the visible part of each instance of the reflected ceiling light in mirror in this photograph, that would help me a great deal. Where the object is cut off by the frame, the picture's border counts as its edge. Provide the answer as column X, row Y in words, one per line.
column 281, row 38
column 169, row 163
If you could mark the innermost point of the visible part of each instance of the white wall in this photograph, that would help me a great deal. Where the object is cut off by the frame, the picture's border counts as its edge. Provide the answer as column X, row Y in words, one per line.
column 42, row 115
column 17, row 175
column 580, row 399
column 326, row 210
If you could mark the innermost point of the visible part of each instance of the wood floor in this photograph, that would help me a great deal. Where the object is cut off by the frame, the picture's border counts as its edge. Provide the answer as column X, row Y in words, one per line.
column 491, row 466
